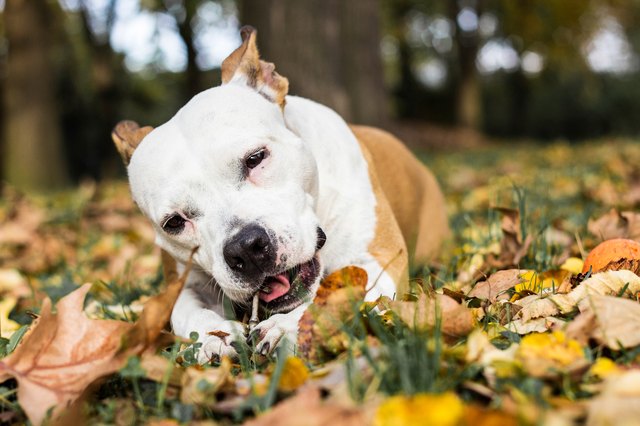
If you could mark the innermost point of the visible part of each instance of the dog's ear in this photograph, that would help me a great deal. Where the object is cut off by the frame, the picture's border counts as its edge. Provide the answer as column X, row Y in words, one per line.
column 244, row 66
column 127, row 135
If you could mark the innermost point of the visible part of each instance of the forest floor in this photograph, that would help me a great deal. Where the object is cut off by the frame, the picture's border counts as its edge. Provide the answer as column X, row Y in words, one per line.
column 505, row 329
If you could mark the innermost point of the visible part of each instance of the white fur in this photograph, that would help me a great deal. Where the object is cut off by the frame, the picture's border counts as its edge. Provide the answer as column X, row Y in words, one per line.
column 314, row 176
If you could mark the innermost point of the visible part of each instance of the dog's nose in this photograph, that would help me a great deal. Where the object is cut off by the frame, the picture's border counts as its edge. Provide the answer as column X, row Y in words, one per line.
column 250, row 252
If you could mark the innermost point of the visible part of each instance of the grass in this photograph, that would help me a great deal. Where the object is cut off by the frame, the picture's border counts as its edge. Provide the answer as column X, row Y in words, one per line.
column 95, row 234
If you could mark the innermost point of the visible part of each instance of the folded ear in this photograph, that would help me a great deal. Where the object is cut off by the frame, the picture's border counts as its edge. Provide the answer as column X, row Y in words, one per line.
column 244, row 66
column 127, row 135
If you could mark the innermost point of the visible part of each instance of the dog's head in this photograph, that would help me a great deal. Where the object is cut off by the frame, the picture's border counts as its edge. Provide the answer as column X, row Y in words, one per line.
column 225, row 174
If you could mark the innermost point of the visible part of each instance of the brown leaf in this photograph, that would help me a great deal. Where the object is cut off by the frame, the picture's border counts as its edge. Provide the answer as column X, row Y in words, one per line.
column 619, row 402
column 64, row 352
column 200, row 386
column 616, row 224
column 307, row 408
column 611, row 321
column 319, row 327
column 497, row 284
column 457, row 320
column 537, row 306
column 61, row 355
column 157, row 310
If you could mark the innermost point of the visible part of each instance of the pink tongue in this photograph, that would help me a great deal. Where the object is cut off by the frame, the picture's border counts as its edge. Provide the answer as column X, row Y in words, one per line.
column 277, row 286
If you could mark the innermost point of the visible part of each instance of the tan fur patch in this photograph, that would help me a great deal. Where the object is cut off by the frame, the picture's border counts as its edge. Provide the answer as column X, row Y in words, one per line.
column 126, row 136
column 259, row 75
column 410, row 190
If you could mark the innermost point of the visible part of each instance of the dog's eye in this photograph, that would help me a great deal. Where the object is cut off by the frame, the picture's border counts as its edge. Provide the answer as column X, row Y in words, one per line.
column 256, row 158
column 174, row 225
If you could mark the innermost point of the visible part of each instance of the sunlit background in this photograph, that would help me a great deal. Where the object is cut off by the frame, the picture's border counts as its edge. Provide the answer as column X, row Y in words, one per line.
column 444, row 74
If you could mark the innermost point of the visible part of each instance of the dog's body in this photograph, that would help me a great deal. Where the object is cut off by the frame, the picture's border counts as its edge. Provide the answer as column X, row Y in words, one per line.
column 275, row 197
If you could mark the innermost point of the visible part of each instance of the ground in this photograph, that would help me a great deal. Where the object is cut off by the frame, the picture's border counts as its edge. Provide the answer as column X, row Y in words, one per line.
column 503, row 329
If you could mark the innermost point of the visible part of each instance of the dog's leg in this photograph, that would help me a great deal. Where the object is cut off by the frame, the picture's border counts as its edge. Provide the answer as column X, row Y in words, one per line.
column 189, row 315
column 278, row 330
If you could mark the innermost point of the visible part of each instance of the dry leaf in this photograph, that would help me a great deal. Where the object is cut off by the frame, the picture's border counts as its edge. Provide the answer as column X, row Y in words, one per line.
column 607, row 283
column 480, row 416
column 604, row 283
column 201, row 386
column 294, row 374
column 619, row 402
column 307, row 408
column 319, row 328
column 422, row 409
column 616, row 224
column 536, row 306
column 64, row 352
column 547, row 355
column 536, row 325
column 457, row 320
column 497, row 284
column 61, row 355
column 611, row 321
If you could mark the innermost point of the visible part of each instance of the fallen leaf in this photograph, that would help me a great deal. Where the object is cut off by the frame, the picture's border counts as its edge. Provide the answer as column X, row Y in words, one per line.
column 604, row 367
column 619, row 402
column 573, row 265
column 307, row 408
column 421, row 409
column 7, row 326
column 61, row 355
column 536, row 325
column 608, row 320
column 536, row 306
column 497, row 284
column 456, row 320
column 201, row 386
column 294, row 374
column 543, row 282
column 319, row 331
column 12, row 283
column 607, row 283
column 480, row 416
column 548, row 355
column 616, row 224
column 64, row 352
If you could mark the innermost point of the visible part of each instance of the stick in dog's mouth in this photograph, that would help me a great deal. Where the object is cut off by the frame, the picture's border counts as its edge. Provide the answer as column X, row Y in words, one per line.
column 254, row 320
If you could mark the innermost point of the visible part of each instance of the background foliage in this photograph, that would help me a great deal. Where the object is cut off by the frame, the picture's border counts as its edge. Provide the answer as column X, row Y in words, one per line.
column 440, row 73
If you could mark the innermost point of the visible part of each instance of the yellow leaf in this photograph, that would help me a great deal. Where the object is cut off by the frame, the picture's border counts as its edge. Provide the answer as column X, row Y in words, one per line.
column 537, row 283
column 421, row 409
column 573, row 265
column 604, row 367
column 294, row 374
column 547, row 354
column 7, row 326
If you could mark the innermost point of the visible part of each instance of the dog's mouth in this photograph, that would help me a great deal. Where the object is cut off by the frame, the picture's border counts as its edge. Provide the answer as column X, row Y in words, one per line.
column 291, row 288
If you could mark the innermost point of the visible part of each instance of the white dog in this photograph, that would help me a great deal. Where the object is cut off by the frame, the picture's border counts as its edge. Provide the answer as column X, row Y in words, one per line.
column 276, row 191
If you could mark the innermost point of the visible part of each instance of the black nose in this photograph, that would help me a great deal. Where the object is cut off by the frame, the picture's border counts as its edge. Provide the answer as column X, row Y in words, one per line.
column 250, row 253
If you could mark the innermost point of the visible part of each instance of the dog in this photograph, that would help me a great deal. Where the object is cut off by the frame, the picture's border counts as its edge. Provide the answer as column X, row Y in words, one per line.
column 275, row 191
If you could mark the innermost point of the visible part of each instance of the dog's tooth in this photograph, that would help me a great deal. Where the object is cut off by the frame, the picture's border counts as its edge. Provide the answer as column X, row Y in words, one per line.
column 266, row 290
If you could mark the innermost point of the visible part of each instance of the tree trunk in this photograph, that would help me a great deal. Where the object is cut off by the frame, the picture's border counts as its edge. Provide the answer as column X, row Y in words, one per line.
column 193, row 84
column 34, row 157
column 468, row 109
column 328, row 49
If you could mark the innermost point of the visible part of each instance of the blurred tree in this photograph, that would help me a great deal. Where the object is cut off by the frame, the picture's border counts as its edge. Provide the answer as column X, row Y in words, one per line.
column 328, row 49
column 467, row 42
column 34, row 151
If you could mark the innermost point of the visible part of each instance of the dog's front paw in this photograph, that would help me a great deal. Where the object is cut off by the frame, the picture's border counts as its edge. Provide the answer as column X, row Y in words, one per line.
column 220, row 342
column 278, row 330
